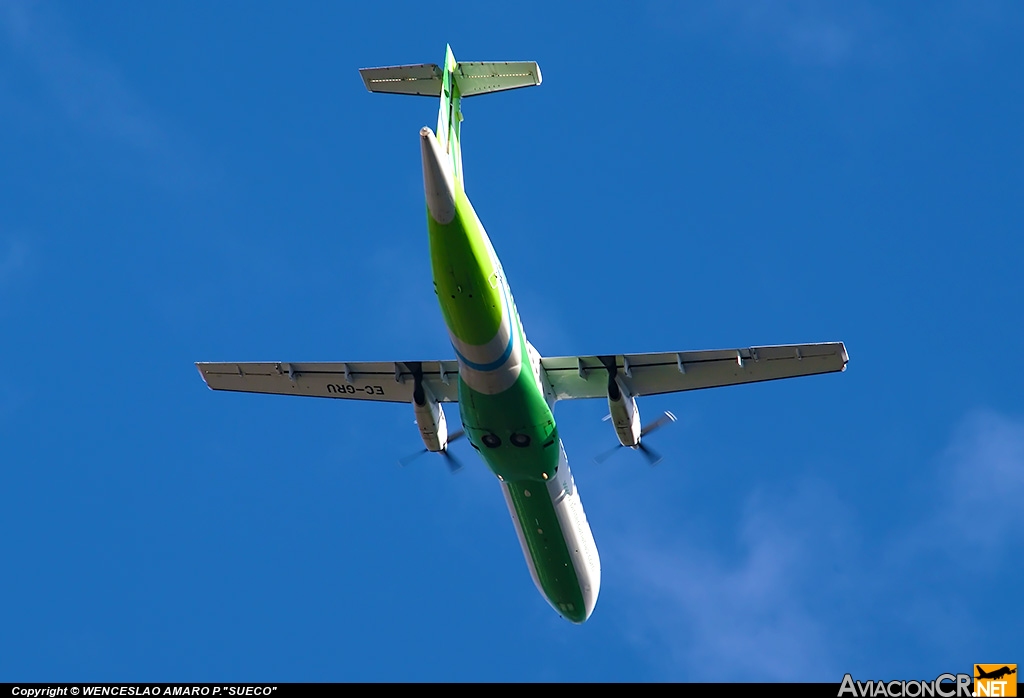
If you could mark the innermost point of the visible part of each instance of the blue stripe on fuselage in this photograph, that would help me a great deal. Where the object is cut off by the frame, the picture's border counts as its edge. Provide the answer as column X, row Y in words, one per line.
column 497, row 363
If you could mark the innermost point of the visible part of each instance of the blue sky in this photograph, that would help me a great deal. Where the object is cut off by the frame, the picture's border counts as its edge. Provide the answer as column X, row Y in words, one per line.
column 184, row 182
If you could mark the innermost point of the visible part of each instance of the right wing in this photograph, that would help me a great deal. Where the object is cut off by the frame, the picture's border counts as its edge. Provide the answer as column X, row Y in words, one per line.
column 653, row 374
column 379, row 381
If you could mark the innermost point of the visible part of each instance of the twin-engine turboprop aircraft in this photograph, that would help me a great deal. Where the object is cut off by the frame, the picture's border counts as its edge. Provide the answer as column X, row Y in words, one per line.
column 504, row 387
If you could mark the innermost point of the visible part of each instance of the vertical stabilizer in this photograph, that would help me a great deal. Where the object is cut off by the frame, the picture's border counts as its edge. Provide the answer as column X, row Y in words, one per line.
column 449, row 116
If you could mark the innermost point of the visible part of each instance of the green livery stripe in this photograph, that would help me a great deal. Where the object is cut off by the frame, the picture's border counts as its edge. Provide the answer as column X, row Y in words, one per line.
column 520, row 410
column 546, row 546
column 463, row 274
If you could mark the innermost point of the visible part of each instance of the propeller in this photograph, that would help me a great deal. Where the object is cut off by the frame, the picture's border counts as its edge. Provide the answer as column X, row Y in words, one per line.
column 454, row 465
column 652, row 456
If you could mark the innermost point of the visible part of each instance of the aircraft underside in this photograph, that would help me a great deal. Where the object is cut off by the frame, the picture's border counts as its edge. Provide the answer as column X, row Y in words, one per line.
column 504, row 388
column 505, row 413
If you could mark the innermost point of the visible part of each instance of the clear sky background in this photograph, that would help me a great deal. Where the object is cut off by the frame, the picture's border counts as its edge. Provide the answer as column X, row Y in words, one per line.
column 195, row 181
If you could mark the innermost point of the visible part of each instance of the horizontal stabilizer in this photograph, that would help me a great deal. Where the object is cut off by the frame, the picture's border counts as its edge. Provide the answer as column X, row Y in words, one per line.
column 473, row 78
column 477, row 78
column 423, row 79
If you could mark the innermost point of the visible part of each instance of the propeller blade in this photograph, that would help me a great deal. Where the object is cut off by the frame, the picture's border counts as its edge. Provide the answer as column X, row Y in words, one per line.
column 652, row 456
column 602, row 457
column 453, row 463
column 406, row 460
column 661, row 421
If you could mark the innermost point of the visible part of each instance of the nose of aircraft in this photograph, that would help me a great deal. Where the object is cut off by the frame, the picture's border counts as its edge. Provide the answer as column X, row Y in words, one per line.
column 590, row 586
column 590, row 592
column 578, row 616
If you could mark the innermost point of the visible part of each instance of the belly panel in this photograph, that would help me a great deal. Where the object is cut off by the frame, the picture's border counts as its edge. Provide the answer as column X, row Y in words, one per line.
column 557, row 542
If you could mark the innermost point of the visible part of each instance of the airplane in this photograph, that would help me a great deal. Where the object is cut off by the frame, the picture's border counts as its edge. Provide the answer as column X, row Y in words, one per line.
column 504, row 387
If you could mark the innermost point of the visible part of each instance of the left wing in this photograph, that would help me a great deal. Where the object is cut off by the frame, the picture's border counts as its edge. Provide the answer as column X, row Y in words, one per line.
column 378, row 381
column 652, row 374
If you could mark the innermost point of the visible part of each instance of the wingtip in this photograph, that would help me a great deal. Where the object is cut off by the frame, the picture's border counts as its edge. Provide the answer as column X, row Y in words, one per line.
column 199, row 367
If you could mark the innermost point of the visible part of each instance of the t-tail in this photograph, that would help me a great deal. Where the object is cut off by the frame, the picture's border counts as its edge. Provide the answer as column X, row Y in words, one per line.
column 452, row 83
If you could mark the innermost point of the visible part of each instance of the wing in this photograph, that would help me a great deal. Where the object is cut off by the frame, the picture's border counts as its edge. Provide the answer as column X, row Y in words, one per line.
column 379, row 381
column 652, row 374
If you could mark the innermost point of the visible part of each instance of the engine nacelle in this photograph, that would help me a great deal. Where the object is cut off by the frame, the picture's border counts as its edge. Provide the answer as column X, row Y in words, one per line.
column 624, row 413
column 431, row 422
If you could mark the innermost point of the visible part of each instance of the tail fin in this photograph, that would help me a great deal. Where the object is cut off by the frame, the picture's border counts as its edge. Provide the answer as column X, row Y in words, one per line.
column 451, row 83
